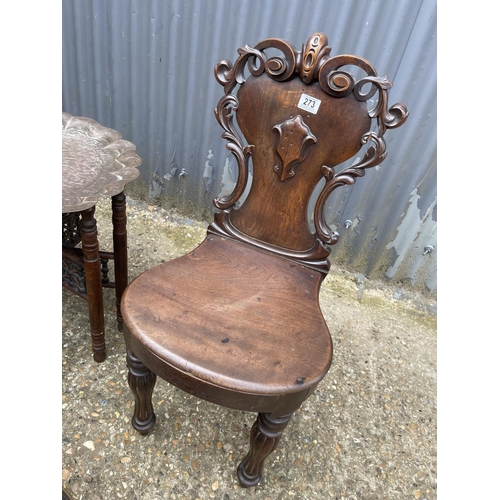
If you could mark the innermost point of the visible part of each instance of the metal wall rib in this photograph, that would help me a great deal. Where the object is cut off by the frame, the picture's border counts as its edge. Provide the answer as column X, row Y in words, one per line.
column 145, row 68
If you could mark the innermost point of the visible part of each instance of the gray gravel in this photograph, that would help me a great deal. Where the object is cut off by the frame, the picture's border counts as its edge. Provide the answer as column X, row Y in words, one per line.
column 368, row 431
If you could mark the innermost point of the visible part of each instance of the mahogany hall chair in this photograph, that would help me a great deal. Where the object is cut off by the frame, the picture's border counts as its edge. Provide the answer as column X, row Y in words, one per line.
column 237, row 321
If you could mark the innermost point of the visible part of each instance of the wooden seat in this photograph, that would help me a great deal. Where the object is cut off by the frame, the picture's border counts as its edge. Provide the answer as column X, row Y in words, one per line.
column 237, row 321
column 245, row 309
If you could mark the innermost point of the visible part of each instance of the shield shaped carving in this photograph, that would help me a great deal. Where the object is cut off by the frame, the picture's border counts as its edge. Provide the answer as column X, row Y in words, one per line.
column 294, row 139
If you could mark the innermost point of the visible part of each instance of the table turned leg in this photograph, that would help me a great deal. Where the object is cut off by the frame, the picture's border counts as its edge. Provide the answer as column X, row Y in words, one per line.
column 119, row 207
column 92, row 266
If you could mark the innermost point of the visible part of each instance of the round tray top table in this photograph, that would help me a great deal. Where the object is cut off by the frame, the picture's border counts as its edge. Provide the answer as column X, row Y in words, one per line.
column 96, row 163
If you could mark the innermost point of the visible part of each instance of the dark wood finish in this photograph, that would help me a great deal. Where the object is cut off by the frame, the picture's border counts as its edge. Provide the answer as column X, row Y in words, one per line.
column 119, row 219
column 264, row 438
column 245, row 321
column 74, row 272
column 260, row 215
column 97, row 163
column 142, row 382
column 237, row 321
column 92, row 266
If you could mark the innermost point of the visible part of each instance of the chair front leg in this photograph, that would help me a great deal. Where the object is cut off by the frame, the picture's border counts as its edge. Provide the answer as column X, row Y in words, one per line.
column 141, row 382
column 264, row 438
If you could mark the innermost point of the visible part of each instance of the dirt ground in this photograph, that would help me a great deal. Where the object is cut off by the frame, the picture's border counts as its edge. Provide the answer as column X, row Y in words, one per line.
column 368, row 431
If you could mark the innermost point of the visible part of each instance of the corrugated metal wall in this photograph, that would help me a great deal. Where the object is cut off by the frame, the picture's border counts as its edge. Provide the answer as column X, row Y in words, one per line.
column 145, row 68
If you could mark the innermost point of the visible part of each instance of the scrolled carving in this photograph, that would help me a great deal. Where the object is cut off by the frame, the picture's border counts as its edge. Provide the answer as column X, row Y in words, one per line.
column 374, row 155
column 229, row 76
column 279, row 68
column 393, row 117
column 312, row 63
column 337, row 82
column 224, row 115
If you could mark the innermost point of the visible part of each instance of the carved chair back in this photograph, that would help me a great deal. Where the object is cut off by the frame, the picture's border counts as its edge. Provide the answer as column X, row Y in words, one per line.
column 301, row 114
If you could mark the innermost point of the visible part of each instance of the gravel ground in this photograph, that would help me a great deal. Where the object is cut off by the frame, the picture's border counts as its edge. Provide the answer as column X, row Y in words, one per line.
column 368, row 431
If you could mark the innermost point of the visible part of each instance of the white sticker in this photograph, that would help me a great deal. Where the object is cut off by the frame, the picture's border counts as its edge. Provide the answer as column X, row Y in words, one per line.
column 309, row 103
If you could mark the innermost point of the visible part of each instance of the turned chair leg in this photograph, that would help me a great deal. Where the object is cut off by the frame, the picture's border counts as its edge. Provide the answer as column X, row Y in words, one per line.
column 264, row 438
column 141, row 382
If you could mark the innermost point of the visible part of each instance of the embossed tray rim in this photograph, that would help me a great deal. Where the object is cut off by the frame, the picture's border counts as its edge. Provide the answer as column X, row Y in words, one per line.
column 117, row 173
